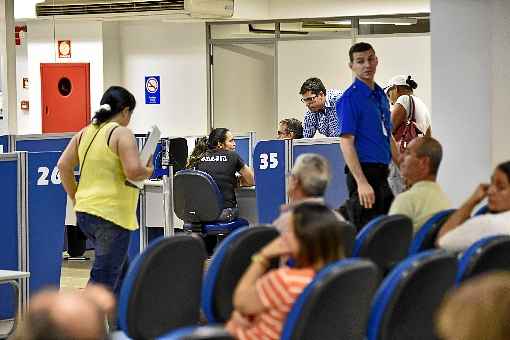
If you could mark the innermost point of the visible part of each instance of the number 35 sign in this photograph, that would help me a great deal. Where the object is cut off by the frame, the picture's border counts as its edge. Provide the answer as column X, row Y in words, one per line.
column 268, row 160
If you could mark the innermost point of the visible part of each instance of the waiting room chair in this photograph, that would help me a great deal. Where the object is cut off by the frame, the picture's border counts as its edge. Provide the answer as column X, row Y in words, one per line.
column 489, row 253
column 228, row 264
column 483, row 210
column 199, row 202
column 405, row 304
column 425, row 237
column 384, row 240
column 335, row 305
column 161, row 290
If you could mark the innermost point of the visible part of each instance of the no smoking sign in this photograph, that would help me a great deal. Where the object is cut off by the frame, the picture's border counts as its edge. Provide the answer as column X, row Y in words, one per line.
column 152, row 90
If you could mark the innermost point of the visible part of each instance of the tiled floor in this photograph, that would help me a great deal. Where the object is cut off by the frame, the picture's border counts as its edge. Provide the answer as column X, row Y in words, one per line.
column 75, row 274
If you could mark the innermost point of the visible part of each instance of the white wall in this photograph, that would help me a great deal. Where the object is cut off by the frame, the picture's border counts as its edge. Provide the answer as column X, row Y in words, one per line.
column 243, row 89
column 500, row 50
column 86, row 47
column 407, row 54
column 177, row 53
column 112, row 59
column 462, row 90
column 330, row 8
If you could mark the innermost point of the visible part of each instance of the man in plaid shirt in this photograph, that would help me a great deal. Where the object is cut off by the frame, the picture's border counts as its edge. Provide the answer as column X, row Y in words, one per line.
column 321, row 109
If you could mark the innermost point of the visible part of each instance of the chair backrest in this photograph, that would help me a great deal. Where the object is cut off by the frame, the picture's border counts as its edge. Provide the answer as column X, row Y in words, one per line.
column 349, row 237
column 425, row 238
column 483, row 210
column 405, row 303
column 227, row 265
column 490, row 253
column 196, row 197
column 336, row 304
column 384, row 240
column 161, row 290
column 178, row 150
column 209, row 332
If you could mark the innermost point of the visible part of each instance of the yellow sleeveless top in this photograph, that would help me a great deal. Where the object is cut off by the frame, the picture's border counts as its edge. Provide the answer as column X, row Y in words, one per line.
column 102, row 190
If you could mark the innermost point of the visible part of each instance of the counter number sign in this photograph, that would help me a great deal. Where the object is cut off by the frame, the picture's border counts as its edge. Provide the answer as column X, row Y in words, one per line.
column 152, row 90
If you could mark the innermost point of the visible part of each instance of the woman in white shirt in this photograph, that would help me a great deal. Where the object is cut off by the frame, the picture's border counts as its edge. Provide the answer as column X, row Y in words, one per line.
column 461, row 230
column 399, row 90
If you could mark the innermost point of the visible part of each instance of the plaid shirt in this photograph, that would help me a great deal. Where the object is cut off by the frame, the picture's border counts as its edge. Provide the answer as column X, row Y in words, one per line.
column 325, row 122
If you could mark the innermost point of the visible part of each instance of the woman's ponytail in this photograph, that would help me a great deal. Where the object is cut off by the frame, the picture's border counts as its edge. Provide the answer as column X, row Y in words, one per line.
column 114, row 100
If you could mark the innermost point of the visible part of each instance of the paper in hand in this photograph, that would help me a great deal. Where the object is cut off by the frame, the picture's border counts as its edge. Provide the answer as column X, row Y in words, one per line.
column 147, row 151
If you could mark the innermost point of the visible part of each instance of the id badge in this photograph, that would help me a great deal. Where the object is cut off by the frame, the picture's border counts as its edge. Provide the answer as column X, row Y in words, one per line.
column 384, row 131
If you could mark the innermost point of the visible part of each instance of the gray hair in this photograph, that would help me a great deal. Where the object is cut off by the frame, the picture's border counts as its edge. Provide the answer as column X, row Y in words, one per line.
column 312, row 172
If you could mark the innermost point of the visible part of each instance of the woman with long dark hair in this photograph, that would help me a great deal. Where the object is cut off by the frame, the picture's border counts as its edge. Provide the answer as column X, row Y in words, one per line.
column 107, row 154
column 263, row 298
column 220, row 160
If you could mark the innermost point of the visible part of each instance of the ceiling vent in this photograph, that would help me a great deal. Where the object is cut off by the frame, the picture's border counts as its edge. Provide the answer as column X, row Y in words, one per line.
column 195, row 8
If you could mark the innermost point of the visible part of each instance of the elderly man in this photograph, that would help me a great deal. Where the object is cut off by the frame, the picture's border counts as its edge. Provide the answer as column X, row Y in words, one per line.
column 308, row 181
column 419, row 165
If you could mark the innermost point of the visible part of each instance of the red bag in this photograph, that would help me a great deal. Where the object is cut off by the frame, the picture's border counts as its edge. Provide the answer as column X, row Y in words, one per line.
column 408, row 130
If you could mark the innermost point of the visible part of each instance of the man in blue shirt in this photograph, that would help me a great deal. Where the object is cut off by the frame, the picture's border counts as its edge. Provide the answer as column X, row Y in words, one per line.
column 321, row 110
column 365, row 139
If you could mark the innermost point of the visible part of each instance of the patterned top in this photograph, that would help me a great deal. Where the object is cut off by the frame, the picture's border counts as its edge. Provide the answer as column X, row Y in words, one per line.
column 325, row 122
column 278, row 289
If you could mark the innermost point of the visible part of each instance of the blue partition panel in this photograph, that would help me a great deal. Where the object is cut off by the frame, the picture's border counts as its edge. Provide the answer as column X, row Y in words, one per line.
column 269, row 163
column 8, row 231
column 43, row 144
column 337, row 192
column 4, row 142
column 46, row 215
column 243, row 148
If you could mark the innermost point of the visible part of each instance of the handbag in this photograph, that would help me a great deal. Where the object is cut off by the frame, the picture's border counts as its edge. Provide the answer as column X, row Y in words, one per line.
column 408, row 130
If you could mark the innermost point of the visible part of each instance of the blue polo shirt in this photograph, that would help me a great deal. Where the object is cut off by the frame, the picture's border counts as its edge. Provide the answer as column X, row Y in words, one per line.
column 362, row 112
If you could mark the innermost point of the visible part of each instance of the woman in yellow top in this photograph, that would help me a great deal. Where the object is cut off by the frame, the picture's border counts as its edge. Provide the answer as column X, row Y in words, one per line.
column 105, row 206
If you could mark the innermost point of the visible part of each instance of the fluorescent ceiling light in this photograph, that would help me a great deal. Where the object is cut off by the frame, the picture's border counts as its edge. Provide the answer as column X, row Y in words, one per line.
column 388, row 21
column 378, row 21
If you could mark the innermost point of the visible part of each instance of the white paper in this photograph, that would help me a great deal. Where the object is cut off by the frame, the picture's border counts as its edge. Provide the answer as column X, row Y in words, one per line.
column 148, row 150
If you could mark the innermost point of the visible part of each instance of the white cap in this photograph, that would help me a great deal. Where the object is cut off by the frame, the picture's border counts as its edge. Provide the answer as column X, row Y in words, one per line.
column 399, row 80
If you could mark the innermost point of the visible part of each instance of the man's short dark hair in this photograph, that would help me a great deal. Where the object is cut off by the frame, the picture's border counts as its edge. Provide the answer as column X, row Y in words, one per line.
column 293, row 125
column 429, row 147
column 313, row 85
column 359, row 47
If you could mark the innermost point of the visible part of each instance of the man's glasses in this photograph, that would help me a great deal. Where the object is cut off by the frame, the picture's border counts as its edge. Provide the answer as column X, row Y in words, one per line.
column 308, row 99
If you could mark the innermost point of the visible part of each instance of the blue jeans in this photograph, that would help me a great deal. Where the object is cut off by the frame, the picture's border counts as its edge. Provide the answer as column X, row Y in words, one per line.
column 111, row 245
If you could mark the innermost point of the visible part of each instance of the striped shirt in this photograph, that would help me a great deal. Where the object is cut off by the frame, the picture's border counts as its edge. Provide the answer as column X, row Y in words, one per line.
column 278, row 289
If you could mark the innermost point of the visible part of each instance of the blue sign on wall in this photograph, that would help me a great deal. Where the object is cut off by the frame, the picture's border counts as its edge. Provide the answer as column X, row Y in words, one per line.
column 152, row 90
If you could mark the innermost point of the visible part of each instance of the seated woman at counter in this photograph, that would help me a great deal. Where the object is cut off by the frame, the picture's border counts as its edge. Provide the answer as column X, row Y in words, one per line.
column 262, row 298
column 219, row 159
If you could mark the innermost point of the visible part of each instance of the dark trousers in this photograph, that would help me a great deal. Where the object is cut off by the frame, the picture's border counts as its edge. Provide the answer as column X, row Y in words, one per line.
column 377, row 177
column 110, row 245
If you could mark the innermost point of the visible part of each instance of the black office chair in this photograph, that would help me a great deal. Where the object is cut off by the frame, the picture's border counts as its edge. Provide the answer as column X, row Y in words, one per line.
column 487, row 254
column 384, row 240
column 335, row 305
column 426, row 236
column 405, row 304
column 199, row 202
column 227, row 266
column 161, row 290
